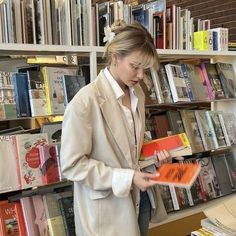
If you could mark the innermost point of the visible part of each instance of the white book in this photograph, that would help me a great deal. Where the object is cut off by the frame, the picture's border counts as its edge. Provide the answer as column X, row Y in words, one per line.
column 8, row 168
column 177, row 83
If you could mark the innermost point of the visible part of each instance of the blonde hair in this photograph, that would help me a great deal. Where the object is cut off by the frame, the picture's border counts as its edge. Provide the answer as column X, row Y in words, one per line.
column 129, row 38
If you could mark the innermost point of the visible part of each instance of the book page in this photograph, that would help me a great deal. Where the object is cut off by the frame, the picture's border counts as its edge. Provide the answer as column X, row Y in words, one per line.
column 223, row 214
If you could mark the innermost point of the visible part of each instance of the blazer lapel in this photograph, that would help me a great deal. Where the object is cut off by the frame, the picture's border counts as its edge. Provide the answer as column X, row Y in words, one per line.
column 141, row 112
column 112, row 115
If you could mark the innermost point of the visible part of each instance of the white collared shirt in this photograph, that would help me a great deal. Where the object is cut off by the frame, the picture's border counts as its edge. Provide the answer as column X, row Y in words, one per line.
column 131, row 116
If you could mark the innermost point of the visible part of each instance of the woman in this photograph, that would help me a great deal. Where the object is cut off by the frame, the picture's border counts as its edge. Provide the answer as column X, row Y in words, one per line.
column 102, row 135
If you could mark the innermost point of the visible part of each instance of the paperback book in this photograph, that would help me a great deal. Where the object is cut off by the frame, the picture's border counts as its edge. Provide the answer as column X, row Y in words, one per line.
column 178, row 174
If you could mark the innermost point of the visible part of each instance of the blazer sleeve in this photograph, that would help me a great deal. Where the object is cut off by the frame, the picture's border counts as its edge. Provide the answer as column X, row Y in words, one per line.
column 76, row 162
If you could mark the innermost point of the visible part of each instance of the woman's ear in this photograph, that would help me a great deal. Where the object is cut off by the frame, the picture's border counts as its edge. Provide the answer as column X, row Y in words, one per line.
column 114, row 59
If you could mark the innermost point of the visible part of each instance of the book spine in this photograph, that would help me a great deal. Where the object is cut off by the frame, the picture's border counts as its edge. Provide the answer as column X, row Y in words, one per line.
column 174, row 197
column 47, row 91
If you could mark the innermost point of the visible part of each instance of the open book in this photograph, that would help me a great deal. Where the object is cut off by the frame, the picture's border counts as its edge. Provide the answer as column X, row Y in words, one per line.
column 178, row 174
column 223, row 215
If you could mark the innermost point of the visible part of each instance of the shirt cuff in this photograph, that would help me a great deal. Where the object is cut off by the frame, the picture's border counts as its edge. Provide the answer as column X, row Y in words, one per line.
column 122, row 181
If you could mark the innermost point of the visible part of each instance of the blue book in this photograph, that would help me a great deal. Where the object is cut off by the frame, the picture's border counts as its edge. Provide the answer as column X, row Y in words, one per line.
column 20, row 82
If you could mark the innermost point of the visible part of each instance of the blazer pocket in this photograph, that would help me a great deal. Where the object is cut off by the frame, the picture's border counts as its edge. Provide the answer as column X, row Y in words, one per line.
column 98, row 194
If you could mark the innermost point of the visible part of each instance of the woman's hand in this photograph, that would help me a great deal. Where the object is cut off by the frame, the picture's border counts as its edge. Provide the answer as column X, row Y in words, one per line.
column 144, row 180
column 164, row 157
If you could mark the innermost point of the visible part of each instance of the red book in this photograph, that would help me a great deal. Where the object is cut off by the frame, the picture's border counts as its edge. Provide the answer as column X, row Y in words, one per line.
column 11, row 219
column 49, row 164
column 178, row 174
column 176, row 145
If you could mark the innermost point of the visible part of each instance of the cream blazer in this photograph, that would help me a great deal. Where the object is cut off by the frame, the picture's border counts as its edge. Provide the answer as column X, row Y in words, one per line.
column 95, row 154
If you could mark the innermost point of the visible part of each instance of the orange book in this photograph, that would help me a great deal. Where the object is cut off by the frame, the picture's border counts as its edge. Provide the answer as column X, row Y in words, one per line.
column 178, row 174
column 176, row 145
column 11, row 219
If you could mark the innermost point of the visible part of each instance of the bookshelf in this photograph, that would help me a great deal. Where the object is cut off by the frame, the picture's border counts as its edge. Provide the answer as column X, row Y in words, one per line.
column 17, row 53
column 191, row 214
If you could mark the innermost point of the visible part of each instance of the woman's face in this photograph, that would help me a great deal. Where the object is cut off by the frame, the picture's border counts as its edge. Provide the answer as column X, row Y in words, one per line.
column 127, row 70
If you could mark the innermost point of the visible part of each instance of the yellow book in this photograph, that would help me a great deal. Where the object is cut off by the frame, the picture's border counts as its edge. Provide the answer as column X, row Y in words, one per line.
column 201, row 41
column 47, row 90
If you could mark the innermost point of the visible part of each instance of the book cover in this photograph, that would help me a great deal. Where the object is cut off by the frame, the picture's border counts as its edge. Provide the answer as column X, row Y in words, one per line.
column 21, row 92
column 222, row 174
column 28, row 158
column 29, row 216
column 37, row 96
column 208, row 178
column 177, row 83
column 161, row 125
column 166, row 197
column 229, row 120
column 214, row 79
column 192, row 130
column 231, row 166
column 11, row 219
column 53, row 214
column 72, row 84
column 53, row 130
column 216, row 129
column 9, row 175
column 178, row 174
column 54, row 88
column 175, row 122
column 41, row 219
column 204, row 129
column 176, row 145
column 198, row 88
column 228, row 78
column 66, row 205
column 164, row 84
column 48, row 164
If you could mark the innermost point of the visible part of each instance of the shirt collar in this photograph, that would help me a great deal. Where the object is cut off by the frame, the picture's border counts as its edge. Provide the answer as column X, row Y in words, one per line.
column 115, row 86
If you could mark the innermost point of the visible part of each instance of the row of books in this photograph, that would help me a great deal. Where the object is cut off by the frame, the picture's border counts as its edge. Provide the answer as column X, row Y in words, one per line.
column 28, row 160
column 171, row 27
column 216, row 179
column 35, row 91
column 44, row 22
column 185, row 82
column 48, row 214
column 206, row 130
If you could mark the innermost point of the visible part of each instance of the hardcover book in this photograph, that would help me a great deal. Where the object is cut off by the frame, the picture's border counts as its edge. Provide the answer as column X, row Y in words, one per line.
column 72, row 84
column 53, row 129
column 214, row 79
column 65, row 201
column 178, row 174
column 54, row 88
column 222, row 174
column 177, row 83
column 175, row 122
column 192, row 130
column 229, row 121
column 22, row 97
column 48, row 164
column 28, row 159
column 29, row 216
column 11, row 219
column 215, row 129
column 37, row 96
column 204, row 129
column 9, row 180
column 228, row 79
column 53, row 214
